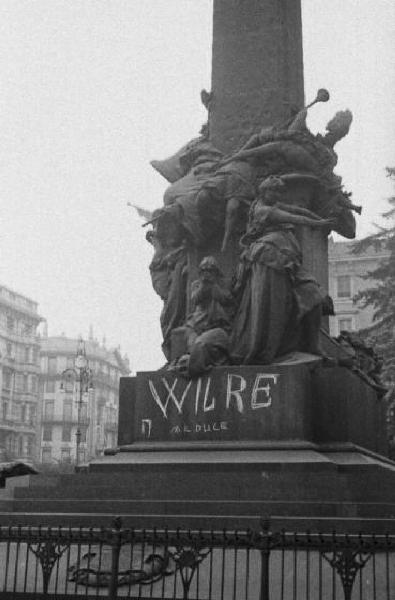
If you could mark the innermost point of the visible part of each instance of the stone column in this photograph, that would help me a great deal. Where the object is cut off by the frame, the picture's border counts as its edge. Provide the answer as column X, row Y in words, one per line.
column 257, row 67
column 257, row 80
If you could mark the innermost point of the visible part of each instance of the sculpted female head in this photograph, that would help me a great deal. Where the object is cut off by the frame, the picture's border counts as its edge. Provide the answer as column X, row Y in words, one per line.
column 271, row 190
column 338, row 127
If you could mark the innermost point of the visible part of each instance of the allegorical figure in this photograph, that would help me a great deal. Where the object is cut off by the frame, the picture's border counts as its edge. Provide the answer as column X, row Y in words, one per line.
column 296, row 153
column 280, row 304
column 204, row 196
column 205, row 211
column 207, row 328
column 168, row 270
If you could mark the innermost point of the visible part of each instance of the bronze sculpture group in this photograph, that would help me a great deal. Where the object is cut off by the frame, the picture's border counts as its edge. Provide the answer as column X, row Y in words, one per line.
column 249, row 208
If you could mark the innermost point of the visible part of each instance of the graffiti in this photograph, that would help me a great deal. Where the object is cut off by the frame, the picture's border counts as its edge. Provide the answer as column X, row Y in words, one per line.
column 240, row 393
column 199, row 427
column 146, row 426
column 170, row 395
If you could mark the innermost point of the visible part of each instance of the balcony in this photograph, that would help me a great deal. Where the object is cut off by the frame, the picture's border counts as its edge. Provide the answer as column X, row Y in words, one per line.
column 26, row 426
column 9, row 359
column 18, row 426
column 111, row 425
column 61, row 419
column 8, row 425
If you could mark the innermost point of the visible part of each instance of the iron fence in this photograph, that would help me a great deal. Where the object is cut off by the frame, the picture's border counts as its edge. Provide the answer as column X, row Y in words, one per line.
column 118, row 562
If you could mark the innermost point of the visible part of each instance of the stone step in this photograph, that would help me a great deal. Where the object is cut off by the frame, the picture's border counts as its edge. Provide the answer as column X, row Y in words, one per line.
column 211, row 508
column 352, row 485
column 214, row 486
column 279, row 491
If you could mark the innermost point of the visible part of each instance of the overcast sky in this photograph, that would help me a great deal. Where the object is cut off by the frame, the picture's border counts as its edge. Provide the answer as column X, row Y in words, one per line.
column 92, row 90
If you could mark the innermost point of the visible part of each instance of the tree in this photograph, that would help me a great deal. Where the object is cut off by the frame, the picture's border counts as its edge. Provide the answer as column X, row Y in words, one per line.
column 381, row 294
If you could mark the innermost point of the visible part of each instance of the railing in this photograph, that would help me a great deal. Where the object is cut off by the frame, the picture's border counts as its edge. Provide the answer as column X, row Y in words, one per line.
column 183, row 564
column 8, row 424
column 111, row 425
column 64, row 419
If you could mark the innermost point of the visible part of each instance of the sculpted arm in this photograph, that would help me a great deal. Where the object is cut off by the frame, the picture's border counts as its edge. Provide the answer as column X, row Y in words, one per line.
column 286, row 150
column 297, row 210
column 278, row 215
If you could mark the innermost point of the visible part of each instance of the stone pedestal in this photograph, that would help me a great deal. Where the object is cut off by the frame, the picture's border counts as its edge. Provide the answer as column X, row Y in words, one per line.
column 297, row 402
column 233, row 404
column 296, row 442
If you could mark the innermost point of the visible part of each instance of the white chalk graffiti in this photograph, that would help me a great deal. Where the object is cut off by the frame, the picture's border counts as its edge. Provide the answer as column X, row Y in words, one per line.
column 170, row 395
column 200, row 427
column 264, row 388
column 240, row 394
column 146, row 426
column 235, row 394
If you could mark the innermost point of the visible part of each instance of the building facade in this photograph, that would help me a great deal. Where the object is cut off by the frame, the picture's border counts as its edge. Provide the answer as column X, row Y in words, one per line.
column 346, row 278
column 66, row 408
column 19, row 360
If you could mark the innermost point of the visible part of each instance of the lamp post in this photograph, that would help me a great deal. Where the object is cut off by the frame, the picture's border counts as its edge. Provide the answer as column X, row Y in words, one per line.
column 83, row 375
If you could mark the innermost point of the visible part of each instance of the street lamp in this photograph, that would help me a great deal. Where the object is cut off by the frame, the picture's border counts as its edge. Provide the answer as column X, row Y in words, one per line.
column 83, row 375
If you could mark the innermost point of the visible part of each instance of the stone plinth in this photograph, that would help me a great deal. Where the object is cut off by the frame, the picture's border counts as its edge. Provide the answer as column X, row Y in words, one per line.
column 296, row 402
column 228, row 404
column 291, row 450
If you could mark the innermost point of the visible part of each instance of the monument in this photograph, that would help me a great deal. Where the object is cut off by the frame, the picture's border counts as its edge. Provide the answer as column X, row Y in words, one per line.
column 257, row 413
column 257, row 410
column 253, row 383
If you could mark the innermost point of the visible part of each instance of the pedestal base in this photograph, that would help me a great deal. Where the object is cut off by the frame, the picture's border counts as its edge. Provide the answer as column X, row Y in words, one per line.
column 302, row 445
column 296, row 401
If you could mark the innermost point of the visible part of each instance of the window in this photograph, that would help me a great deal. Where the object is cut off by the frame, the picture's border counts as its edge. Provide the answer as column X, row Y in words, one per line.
column 69, row 384
column 67, row 410
column 65, row 455
column 52, row 365
column 7, row 379
column 25, row 386
column 66, row 433
column 9, row 349
column 30, row 446
column 50, row 386
column 47, row 433
column 5, row 411
column 27, row 329
column 33, row 381
column 47, row 455
column 10, row 323
column 100, row 410
column 49, row 409
column 84, row 411
column 18, row 382
column 23, row 413
column 34, row 355
column 344, row 286
column 83, row 435
column 345, row 324
column 32, row 415
column 27, row 354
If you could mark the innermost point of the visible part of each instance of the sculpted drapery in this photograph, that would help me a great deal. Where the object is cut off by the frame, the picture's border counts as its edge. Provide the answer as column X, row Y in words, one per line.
column 252, row 200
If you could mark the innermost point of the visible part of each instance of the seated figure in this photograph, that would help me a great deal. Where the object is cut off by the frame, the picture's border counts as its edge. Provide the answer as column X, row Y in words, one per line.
column 205, row 335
